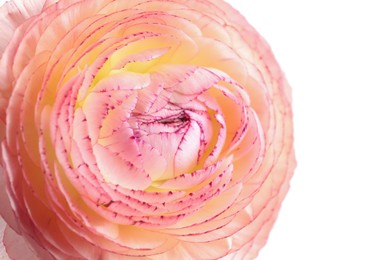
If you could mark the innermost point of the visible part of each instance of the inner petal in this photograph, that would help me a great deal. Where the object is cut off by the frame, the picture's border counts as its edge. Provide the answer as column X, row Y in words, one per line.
column 120, row 171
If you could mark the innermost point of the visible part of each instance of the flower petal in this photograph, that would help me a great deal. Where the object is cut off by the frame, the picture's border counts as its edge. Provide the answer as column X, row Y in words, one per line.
column 6, row 212
column 16, row 246
column 13, row 14
column 3, row 253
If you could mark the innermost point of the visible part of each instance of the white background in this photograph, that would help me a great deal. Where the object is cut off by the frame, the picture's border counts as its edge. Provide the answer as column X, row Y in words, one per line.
column 336, row 56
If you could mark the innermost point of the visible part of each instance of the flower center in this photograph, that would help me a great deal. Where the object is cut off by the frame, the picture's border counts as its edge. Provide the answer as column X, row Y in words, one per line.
column 170, row 119
column 180, row 119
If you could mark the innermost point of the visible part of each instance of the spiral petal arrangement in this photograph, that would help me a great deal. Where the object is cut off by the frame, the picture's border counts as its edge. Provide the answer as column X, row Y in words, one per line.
column 140, row 129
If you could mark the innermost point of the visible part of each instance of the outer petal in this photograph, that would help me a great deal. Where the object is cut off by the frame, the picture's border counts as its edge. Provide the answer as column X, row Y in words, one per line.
column 3, row 254
column 13, row 14
column 15, row 246
column 6, row 212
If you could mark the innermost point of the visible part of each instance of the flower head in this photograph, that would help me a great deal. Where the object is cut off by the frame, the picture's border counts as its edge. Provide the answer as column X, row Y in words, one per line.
column 152, row 129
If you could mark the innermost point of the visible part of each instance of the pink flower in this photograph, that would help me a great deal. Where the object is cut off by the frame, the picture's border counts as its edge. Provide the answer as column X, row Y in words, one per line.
column 152, row 129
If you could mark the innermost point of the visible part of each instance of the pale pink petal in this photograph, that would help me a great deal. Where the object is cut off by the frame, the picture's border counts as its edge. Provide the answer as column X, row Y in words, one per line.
column 3, row 253
column 16, row 246
column 120, row 171
column 6, row 212
column 13, row 14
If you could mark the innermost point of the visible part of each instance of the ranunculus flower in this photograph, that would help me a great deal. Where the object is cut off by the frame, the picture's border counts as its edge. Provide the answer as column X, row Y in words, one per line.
column 143, row 128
